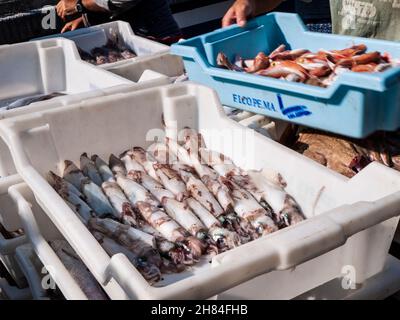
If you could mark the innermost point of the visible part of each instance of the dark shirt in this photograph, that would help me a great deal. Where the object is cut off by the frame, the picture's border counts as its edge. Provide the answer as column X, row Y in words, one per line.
column 313, row 11
column 147, row 17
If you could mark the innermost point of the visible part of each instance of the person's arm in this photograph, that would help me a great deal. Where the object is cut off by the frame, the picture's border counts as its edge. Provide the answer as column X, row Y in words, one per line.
column 67, row 8
column 73, row 25
column 241, row 10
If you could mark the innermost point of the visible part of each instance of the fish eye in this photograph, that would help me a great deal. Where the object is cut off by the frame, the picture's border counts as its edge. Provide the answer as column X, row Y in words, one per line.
column 202, row 235
column 286, row 218
column 221, row 219
column 141, row 262
column 260, row 229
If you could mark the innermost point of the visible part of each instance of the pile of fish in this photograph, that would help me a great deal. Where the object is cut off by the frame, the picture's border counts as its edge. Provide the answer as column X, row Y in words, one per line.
column 300, row 65
column 73, row 264
column 111, row 52
column 349, row 156
column 78, row 270
column 167, row 207
column 21, row 102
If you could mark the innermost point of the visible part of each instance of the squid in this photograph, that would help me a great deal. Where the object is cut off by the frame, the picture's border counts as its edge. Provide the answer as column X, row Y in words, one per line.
column 148, row 270
column 250, row 210
column 78, row 270
column 94, row 195
column 153, row 214
column 124, row 210
column 89, row 169
column 103, row 168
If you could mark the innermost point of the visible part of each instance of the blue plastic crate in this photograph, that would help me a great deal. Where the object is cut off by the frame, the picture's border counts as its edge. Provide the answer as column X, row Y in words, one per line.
column 356, row 105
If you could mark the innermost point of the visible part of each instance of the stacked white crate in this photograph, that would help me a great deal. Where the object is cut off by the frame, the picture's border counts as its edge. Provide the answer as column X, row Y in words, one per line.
column 151, row 55
column 15, row 254
column 31, row 255
column 44, row 67
column 54, row 65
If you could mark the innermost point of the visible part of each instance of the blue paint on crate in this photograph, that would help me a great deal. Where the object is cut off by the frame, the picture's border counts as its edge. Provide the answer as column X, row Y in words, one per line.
column 293, row 112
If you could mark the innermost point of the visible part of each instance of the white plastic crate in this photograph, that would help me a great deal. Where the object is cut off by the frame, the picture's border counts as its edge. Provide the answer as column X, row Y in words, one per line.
column 54, row 65
column 20, row 261
column 25, row 255
column 31, row 268
column 47, row 66
column 350, row 222
column 271, row 128
column 44, row 67
column 10, row 220
column 8, row 292
column 39, row 230
column 378, row 287
column 151, row 55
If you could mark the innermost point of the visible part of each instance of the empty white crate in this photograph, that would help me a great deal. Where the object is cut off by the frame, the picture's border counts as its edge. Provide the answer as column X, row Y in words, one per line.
column 350, row 222
column 151, row 55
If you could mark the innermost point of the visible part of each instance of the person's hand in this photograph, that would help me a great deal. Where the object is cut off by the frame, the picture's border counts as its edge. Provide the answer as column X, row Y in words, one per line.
column 66, row 8
column 240, row 11
column 72, row 25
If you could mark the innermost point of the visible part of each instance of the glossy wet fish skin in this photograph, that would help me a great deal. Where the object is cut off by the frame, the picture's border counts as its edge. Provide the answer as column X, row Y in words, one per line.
column 130, row 163
column 32, row 99
column 89, row 169
column 171, row 180
column 61, row 185
column 207, row 175
column 122, row 207
column 284, row 206
column 78, row 270
column 73, row 174
column 116, row 165
column 103, row 168
column 94, row 195
column 223, row 61
column 182, row 214
column 149, row 271
column 223, row 238
column 140, row 243
column 249, row 209
column 200, row 192
column 318, row 69
column 135, row 191
column 96, row 198
column 178, row 211
column 145, row 159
